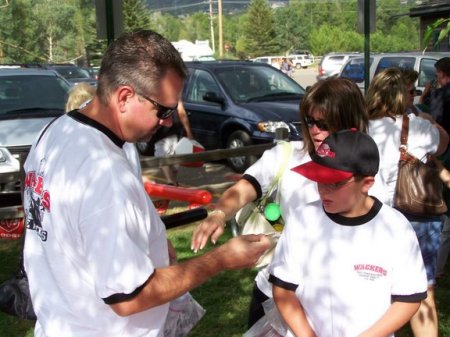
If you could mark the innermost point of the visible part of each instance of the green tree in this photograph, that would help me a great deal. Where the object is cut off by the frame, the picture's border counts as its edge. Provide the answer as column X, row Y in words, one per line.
column 59, row 37
column 167, row 25
column 136, row 15
column 291, row 30
column 258, row 30
column 18, row 33
column 195, row 27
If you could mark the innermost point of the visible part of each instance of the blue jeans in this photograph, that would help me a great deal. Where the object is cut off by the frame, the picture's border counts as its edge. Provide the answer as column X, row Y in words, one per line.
column 428, row 235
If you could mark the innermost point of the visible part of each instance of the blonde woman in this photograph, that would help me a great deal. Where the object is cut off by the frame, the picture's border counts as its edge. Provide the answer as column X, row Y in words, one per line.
column 79, row 95
column 387, row 100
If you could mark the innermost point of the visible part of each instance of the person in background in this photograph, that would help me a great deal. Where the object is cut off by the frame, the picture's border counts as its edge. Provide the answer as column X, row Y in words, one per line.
column 96, row 251
column 286, row 66
column 439, row 96
column 78, row 95
column 166, row 139
column 328, row 106
column 347, row 265
column 387, row 100
column 410, row 77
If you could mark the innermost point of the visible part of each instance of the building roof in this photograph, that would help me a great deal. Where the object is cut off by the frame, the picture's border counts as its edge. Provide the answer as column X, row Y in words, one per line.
column 431, row 8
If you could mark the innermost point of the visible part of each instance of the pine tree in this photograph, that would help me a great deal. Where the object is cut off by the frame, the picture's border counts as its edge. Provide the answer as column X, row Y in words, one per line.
column 258, row 30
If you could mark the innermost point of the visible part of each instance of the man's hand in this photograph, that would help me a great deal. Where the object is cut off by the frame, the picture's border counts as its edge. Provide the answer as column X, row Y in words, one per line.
column 213, row 226
column 242, row 251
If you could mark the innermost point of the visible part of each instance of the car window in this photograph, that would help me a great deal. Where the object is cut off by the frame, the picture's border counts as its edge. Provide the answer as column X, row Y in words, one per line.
column 427, row 72
column 72, row 72
column 244, row 84
column 202, row 82
column 354, row 69
column 336, row 59
column 26, row 92
column 403, row 62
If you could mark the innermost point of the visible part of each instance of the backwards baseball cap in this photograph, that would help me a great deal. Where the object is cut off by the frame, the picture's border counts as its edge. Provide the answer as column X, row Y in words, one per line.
column 341, row 155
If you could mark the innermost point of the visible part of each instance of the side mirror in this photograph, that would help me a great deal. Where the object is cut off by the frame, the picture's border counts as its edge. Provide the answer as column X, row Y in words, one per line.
column 211, row 96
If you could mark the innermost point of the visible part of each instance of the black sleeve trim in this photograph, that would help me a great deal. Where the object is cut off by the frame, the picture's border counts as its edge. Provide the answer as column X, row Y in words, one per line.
column 413, row 298
column 116, row 298
column 282, row 284
column 255, row 184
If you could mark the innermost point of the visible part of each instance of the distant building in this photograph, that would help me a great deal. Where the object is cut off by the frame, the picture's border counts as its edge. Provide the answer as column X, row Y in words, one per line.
column 428, row 12
column 198, row 51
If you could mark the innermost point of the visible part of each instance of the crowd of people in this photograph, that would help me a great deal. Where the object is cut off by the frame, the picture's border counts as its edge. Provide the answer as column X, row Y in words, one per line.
column 347, row 263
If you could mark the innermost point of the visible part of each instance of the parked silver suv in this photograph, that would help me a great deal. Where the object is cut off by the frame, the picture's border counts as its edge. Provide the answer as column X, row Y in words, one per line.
column 332, row 63
column 422, row 63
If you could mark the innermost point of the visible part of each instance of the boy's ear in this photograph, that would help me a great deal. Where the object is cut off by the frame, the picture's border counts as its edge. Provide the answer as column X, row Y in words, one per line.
column 367, row 184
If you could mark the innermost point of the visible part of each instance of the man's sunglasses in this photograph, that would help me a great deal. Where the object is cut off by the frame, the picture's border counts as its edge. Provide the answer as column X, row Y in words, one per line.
column 162, row 112
column 310, row 122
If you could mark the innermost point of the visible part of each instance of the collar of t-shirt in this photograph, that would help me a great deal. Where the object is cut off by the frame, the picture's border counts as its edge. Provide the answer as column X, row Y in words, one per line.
column 79, row 117
column 359, row 220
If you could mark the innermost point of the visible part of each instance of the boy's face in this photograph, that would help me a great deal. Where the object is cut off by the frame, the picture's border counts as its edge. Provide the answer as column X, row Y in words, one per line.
column 348, row 198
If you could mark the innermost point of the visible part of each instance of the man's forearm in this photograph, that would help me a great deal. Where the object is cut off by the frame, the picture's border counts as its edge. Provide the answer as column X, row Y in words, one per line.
column 166, row 284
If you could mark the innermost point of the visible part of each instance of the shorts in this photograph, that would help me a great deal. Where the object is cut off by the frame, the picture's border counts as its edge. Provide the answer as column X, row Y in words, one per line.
column 166, row 146
column 428, row 235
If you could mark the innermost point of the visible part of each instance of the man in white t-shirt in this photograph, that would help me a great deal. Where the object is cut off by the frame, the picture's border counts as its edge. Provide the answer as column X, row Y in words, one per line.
column 96, row 251
column 342, row 269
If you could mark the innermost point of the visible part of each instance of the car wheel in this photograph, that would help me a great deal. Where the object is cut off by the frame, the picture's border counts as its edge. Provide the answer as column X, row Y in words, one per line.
column 237, row 139
column 298, row 65
column 146, row 148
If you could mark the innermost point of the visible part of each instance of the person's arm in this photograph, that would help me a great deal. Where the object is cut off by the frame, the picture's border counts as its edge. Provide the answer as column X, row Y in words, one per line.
column 444, row 174
column 166, row 284
column 292, row 312
column 233, row 199
column 425, row 93
column 397, row 315
column 184, row 119
column 443, row 135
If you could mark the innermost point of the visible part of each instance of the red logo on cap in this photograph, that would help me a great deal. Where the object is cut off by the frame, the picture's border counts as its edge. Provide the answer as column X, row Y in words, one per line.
column 325, row 151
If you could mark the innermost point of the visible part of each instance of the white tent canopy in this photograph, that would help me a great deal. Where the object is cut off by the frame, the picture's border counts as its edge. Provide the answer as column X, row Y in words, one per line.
column 199, row 50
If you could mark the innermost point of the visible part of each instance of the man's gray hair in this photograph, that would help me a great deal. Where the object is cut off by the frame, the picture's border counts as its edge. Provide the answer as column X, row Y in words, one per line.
column 139, row 59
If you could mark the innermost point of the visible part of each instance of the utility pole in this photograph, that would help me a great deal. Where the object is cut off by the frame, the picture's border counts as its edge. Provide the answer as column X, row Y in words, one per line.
column 211, row 23
column 219, row 3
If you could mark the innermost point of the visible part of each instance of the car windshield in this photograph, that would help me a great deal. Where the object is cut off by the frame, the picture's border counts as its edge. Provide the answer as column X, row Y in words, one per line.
column 28, row 94
column 69, row 72
column 246, row 84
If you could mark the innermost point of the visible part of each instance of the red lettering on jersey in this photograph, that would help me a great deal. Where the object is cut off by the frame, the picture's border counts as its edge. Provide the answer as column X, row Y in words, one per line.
column 46, row 200
column 30, row 179
column 39, row 185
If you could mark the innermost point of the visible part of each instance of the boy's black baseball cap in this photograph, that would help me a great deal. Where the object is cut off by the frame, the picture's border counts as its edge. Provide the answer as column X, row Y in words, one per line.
column 342, row 155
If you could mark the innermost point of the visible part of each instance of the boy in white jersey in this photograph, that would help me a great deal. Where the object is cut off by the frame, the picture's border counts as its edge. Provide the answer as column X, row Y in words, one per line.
column 350, row 266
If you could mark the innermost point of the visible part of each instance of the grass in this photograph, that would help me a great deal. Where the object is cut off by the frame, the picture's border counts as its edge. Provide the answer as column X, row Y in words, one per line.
column 225, row 297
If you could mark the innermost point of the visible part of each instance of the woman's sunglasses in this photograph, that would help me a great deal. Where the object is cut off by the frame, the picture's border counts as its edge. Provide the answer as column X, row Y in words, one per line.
column 321, row 124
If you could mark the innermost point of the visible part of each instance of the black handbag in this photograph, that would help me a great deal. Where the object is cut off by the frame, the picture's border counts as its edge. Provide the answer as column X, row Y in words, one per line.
column 419, row 190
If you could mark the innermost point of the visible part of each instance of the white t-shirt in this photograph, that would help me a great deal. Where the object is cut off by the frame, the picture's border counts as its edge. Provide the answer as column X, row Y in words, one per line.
column 93, row 234
column 294, row 188
column 423, row 138
column 346, row 271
